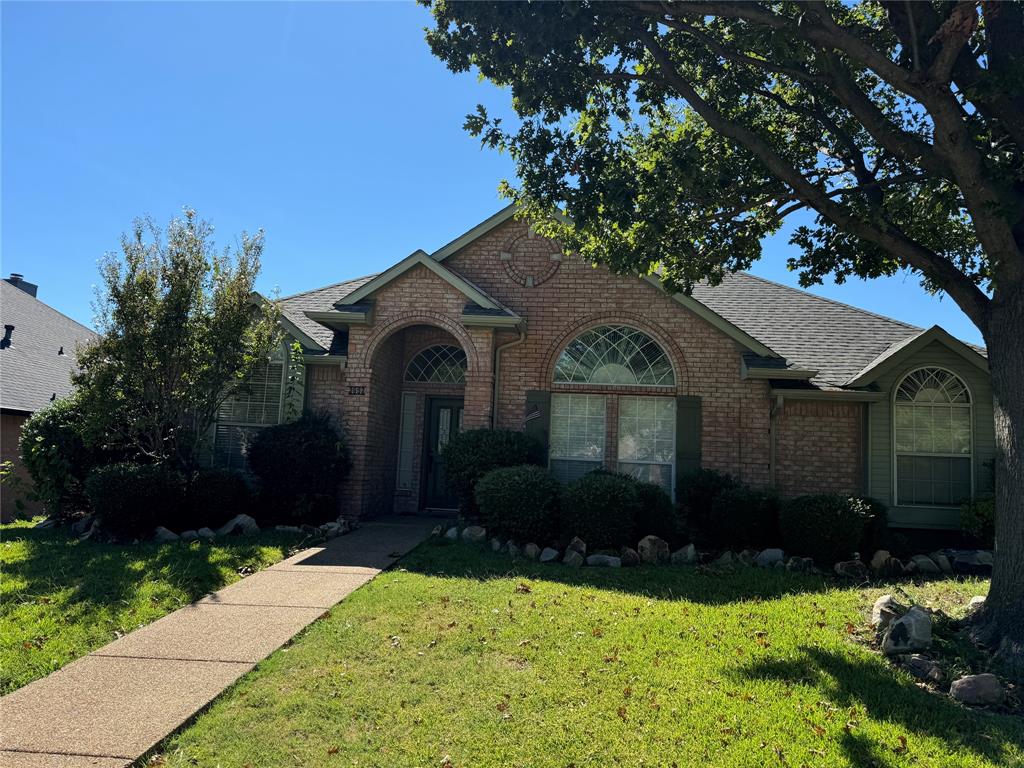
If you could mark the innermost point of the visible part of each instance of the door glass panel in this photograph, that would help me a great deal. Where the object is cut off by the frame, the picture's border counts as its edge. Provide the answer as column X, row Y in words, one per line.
column 444, row 426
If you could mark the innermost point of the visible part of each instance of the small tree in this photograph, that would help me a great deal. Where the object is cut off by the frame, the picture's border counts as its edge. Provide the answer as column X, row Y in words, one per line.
column 179, row 329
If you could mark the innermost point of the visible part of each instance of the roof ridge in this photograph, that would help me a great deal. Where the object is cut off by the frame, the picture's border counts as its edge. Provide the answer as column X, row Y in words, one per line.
column 805, row 292
column 52, row 308
column 325, row 287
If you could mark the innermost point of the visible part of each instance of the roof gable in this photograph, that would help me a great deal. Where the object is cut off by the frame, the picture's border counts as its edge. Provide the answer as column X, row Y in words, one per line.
column 902, row 349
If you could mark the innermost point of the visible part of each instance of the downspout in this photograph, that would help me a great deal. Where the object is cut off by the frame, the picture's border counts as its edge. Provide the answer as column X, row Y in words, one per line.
column 497, row 371
column 773, row 422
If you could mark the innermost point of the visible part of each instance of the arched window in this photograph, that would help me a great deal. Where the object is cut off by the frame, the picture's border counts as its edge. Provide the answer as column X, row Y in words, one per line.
column 932, row 437
column 440, row 364
column 624, row 357
column 614, row 354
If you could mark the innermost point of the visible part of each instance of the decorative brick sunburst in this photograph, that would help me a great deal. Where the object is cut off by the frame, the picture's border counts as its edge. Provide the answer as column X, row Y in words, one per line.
column 530, row 260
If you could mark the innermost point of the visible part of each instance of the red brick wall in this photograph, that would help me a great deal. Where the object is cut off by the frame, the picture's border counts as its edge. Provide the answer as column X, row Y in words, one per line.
column 819, row 447
column 20, row 484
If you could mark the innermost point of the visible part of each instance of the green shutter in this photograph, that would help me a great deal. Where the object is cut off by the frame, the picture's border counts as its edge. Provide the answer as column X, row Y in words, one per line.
column 688, row 429
column 537, row 418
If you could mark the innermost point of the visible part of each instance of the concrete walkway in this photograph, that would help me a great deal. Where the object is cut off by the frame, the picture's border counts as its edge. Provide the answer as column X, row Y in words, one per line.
column 112, row 706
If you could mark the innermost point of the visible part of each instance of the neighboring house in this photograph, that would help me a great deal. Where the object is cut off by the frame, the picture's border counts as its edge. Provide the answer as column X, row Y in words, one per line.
column 37, row 357
column 499, row 327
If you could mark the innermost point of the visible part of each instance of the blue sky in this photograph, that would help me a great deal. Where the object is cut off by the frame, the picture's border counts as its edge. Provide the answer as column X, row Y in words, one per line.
column 328, row 125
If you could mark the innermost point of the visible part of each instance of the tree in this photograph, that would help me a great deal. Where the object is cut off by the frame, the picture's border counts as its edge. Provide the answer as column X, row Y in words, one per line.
column 676, row 135
column 180, row 329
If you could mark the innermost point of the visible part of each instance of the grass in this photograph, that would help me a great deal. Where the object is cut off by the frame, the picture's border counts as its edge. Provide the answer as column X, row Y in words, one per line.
column 462, row 658
column 61, row 598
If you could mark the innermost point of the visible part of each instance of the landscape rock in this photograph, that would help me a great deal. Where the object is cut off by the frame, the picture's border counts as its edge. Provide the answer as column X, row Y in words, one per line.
column 605, row 561
column 747, row 556
column 572, row 558
column 685, row 556
column 909, row 633
column 513, row 548
column 972, row 563
column 577, row 545
column 767, row 558
column 164, row 534
column 281, row 529
column 239, row 525
column 885, row 610
column 532, row 551
column 474, row 534
column 653, row 549
column 725, row 560
column 190, row 535
column 549, row 555
column 496, row 544
column 926, row 565
column 47, row 523
column 800, row 564
column 629, row 557
column 880, row 560
column 437, row 530
column 309, row 530
column 852, row 569
column 982, row 690
column 80, row 526
column 943, row 562
column 452, row 534
column 206, row 534
column 330, row 530
column 975, row 603
column 924, row 668
column 984, row 557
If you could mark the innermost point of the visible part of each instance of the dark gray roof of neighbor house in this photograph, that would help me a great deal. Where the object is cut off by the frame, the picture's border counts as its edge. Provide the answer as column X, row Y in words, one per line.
column 33, row 370
column 323, row 299
column 812, row 332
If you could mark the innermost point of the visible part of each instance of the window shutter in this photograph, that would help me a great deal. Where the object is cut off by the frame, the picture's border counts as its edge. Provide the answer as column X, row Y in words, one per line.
column 688, row 430
column 537, row 419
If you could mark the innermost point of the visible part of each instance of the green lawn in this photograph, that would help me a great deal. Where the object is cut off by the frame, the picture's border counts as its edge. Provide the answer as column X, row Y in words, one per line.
column 61, row 598
column 461, row 659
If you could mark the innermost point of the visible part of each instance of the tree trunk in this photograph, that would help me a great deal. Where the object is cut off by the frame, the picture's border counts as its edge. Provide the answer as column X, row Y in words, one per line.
column 1000, row 624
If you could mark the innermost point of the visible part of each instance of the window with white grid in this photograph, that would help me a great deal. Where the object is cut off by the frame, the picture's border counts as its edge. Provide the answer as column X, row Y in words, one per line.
column 254, row 404
column 439, row 364
column 577, row 435
column 932, row 438
column 647, row 439
column 614, row 354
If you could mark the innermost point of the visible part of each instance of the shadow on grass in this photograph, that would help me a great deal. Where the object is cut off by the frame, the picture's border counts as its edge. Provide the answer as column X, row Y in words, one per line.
column 445, row 559
column 55, row 560
column 870, row 684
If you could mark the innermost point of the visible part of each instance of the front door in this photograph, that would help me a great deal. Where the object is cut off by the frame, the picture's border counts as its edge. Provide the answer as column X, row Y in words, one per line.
column 444, row 418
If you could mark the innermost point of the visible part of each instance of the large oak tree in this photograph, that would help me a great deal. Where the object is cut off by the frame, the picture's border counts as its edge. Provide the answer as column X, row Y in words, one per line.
column 677, row 135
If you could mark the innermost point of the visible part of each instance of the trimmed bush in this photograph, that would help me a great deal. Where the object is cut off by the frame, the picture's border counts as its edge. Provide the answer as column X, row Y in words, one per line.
column 744, row 517
column 696, row 494
column 826, row 527
column 56, row 457
column 214, row 496
column 656, row 514
column 130, row 500
column 876, row 529
column 519, row 502
column 978, row 520
column 299, row 466
column 470, row 455
column 601, row 508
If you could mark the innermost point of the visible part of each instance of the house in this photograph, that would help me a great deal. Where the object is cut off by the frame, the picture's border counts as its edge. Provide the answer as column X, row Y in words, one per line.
column 501, row 328
column 37, row 357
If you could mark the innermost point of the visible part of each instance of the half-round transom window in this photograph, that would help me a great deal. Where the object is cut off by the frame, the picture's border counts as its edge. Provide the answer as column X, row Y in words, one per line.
column 614, row 354
column 932, row 425
column 440, row 364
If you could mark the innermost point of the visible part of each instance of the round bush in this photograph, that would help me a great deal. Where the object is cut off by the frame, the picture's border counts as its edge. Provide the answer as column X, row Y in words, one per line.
column 299, row 466
column 656, row 514
column 56, row 457
column 978, row 520
column 601, row 508
column 470, row 455
column 744, row 517
column 696, row 495
column 130, row 500
column 215, row 496
column 519, row 502
column 826, row 527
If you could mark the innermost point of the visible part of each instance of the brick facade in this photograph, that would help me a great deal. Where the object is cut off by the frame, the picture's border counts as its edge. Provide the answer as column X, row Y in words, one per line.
column 14, row 496
column 558, row 297
column 820, row 447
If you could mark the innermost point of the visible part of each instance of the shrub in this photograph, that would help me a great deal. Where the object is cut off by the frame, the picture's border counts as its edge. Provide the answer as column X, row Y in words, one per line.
column 130, row 500
column 744, row 517
column 696, row 494
column 214, row 497
column 826, row 527
column 470, row 455
column 520, row 502
column 978, row 520
column 601, row 508
column 876, row 529
column 656, row 514
column 56, row 457
column 299, row 466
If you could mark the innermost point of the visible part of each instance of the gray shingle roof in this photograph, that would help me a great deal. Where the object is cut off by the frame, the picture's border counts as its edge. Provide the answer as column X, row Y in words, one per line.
column 835, row 339
column 295, row 306
column 32, row 372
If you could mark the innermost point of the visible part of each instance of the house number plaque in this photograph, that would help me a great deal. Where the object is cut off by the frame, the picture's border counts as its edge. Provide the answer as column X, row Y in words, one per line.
column 357, row 390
